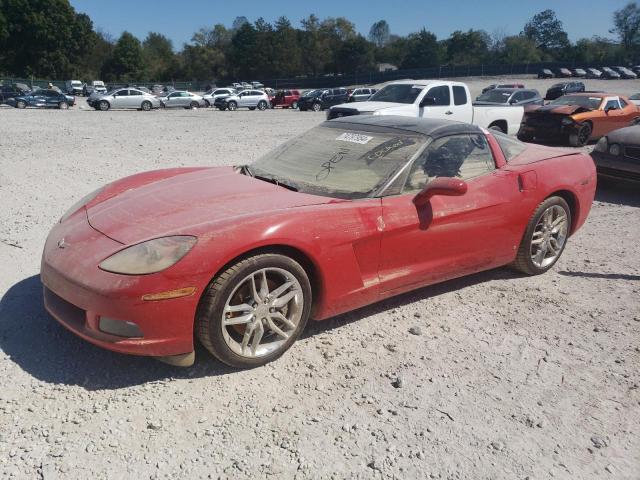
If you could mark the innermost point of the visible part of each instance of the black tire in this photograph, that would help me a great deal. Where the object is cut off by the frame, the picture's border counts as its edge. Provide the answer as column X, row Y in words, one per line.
column 63, row 106
column 302, row 109
column 294, row 105
column 252, row 108
column 523, row 261
column 581, row 137
column 262, row 105
column 146, row 105
column 207, row 104
column 21, row 104
column 209, row 327
column 497, row 127
column 194, row 104
column 635, row 121
column 232, row 105
column 316, row 107
column 104, row 105
column 222, row 109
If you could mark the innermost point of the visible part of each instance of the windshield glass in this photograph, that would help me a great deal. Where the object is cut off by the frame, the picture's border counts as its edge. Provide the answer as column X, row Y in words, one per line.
column 76, row 83
column 338, row 160
column 397, row 93
column 495, row 96
column 591, row 103
column 313, row 93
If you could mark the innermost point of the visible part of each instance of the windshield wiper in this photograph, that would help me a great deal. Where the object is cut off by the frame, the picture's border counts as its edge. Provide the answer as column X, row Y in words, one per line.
column 278, row 181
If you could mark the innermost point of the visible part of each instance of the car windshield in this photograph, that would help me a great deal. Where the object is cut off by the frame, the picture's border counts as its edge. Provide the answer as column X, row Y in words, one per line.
column 495, row 96
column 313, row 93
column 397, row 93
column 592, row 103
column 635, row 96
column 339, row 160
column 558, row 85
column 76, row 82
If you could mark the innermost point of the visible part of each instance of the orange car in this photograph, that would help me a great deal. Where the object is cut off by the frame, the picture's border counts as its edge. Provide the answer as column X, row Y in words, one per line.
column 578, row 118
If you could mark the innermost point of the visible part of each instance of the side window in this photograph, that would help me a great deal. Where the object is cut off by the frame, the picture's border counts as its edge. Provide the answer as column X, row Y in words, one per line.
column 135, row 92
column 517, row 97
column 612, row 105
column 441, row 95
column 462, row 156
column 623, row 103
column 459, row 95
column 122, row 93
column 287, row 93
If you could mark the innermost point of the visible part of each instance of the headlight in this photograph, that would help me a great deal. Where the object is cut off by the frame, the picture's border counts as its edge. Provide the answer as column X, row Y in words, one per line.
column 149, row 257
column 567, row 121
column 614, row 149
column 80, row 203
column 601, row 146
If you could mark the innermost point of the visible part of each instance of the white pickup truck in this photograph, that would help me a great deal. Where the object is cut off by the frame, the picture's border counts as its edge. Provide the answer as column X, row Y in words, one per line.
column 433, row 99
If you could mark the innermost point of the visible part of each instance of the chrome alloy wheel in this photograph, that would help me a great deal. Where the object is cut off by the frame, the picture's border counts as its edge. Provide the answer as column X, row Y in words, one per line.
column 262, row 312
column 549, row 236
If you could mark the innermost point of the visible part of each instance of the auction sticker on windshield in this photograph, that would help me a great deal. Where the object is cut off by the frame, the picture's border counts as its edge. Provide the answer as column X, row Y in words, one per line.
column 354, row 138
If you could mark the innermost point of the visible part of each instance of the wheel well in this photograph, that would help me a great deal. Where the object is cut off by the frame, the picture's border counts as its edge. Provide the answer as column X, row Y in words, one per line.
column 572, row 201
column 502, row 124
column 299, row 256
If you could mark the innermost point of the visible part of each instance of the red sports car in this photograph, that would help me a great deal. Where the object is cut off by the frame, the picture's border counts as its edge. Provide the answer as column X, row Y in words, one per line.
column 351, row 212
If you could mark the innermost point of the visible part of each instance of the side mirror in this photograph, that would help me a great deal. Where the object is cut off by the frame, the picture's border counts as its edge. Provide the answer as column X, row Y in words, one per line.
column 452, row 187
column 426, row 101
column 513, row 101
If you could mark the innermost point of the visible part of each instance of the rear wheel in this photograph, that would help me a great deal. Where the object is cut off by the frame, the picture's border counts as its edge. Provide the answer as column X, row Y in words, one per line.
column 255, row 310
column 63, row 106
column 262, row 105
column 581, row 137
column 146, row 105
column 21, row 104
column 316, row 107
column 104, row 105
column 545, row 237
column 232, row 105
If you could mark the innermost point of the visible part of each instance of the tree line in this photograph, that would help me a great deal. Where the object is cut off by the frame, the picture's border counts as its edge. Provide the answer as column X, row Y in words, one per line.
column 49, row 39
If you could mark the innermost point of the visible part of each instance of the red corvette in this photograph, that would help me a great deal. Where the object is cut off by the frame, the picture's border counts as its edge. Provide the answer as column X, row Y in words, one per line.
column 354, row 211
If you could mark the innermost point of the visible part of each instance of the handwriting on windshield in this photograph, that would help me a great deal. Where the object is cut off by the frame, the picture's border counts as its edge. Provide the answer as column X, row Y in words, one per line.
column 387, row 147
column 328, row 166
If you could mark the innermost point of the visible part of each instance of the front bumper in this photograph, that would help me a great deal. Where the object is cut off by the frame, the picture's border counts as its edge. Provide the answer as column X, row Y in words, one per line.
column 556, row 132
column 78, row 294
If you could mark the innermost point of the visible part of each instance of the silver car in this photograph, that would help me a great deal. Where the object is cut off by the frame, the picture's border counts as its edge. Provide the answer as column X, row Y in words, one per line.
column 182, row 99
column 211, row 95
column 123, row 98
column 250, row 99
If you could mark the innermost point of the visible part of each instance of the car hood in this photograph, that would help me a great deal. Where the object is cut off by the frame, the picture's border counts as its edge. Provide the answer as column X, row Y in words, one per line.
column 184, row 201
column 625, row 136
column 560, row 109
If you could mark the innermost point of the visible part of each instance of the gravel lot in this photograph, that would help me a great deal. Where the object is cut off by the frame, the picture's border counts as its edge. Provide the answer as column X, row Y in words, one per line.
column 488, row 377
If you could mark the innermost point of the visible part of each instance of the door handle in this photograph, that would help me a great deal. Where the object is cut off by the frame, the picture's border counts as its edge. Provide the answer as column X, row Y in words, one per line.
column 448, row 112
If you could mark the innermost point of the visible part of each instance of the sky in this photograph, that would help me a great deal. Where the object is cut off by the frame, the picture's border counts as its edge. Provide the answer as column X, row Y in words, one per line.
column 179, row 20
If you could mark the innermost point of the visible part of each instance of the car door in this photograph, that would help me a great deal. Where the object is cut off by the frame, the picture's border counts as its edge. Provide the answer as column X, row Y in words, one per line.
column 440, row 96
column 120, row 98
column 615, row 117
column 135, row 98
column 451, row 235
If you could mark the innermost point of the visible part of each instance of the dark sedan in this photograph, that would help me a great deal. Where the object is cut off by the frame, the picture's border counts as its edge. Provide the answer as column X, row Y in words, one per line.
column 43, row 99
column 545, row 73
column 618, row 154
column 564, row 88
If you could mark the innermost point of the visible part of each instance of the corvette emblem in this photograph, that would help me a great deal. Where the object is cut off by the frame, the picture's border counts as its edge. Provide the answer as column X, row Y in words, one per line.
column 61, row 243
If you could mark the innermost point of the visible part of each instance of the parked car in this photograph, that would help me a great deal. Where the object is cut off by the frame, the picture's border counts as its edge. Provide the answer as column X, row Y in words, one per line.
column 182, row 99
column 579, row 72
column 94, row 86
column 250, row 99
column 510, row 96
column 74, row 87
column 257, row 85
column 240, row 258
column 610, row 74
column 42, row 99
column 545, row 73
column 285, row 99
column 594, row 73
column 158, row 90
column 142, row 89
column 211, row 95
column 617, row 154
column 433, row 99
column 578, row 118
column 635, row 99
column 559, row 89
column 636, row 69
column 322, row 99
column 502, row 85
column 625, row 73
column 361, row 94
column 12, row 91
column 124, row 98
column 563, row 72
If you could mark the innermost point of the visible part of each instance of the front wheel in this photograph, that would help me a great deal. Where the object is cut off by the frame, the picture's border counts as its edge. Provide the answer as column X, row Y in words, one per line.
column 262, row 106
column 194, row 104
column 294, row 105
column 316, row 107
column 255, row 310
column 104, row 105
column 233, row 106
column 63, row 106
column 207, row 104
column 581, row 137
column 21, row 104
column 545, row 237
column 146, row 105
